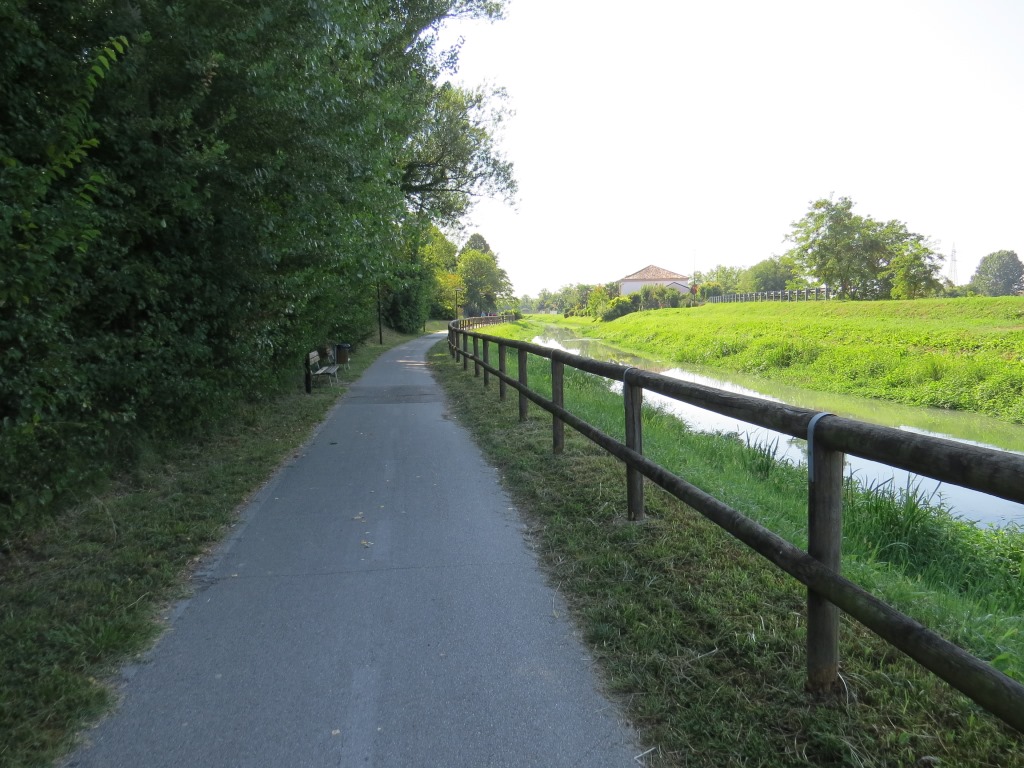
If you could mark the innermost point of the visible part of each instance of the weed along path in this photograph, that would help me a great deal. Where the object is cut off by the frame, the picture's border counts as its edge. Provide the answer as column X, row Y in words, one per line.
column 377, row 605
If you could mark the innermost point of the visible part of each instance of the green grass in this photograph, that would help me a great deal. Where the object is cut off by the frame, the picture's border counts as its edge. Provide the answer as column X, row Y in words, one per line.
column 961, row 354
column 703, row 641
column 84, row 590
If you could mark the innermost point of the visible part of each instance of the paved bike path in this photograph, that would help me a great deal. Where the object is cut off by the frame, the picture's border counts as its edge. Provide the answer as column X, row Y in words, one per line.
column 377, row 605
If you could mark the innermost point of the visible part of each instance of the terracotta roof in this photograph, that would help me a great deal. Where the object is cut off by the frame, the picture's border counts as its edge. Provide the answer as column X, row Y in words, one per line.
column 654, row 273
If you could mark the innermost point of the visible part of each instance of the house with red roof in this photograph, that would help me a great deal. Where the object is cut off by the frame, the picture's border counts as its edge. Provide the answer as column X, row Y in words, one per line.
column 652, row 275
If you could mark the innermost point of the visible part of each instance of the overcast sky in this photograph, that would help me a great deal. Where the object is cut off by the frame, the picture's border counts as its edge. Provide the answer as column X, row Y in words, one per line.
column 689, row 134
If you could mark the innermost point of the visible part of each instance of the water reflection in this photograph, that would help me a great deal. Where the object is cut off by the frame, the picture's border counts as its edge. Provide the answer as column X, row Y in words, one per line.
column 962, row 427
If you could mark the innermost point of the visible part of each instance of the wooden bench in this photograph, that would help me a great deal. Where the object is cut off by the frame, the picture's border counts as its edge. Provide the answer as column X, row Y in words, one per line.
column 317, row 371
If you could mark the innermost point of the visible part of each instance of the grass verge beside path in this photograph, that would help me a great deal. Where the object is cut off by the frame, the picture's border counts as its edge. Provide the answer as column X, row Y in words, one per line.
column 960, row 354
column 84, row 591
column 702, row 640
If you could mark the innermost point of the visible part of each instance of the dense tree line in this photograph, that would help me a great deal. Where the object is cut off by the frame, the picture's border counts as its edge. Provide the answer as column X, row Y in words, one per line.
column 602, row 302
column 193, row 194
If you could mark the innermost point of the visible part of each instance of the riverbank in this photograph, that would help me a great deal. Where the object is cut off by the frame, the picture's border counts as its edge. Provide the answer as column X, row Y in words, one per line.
column 959, row 354
column 703, row 639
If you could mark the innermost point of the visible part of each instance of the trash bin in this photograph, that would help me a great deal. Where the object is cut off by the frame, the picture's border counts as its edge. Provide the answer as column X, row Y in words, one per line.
column 341, row 352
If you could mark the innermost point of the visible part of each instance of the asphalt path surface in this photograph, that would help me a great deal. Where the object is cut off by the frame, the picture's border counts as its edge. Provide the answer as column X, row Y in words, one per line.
column 379, row 605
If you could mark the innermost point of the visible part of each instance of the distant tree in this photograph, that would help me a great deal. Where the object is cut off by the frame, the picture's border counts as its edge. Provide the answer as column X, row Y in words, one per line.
column 707, row 290
column 438, row 254
column 774, row 274
column 831, row 243
column 438, row 251
column 545, row 301
column 999, row 274
column 619, row 306
column 727, row 277
column 476, row 242
column 485, row 282
column 597, row 302
column 913, row 268
column 860, row 257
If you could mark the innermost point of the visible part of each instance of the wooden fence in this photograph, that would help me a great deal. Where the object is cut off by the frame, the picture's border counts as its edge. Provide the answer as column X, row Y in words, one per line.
column 829, row 438
column 804, row 294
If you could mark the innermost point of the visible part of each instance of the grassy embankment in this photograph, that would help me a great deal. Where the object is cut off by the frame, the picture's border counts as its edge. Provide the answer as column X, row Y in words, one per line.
column 84, row 590
column 962, row 354
column 704, row 640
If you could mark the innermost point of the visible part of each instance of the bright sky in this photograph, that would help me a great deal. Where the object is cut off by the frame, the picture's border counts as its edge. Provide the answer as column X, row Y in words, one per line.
column 689, row 134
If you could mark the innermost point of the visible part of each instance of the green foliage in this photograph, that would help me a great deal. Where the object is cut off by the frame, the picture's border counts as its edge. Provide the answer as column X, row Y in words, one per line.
column 959, row 354
column 860, row 257
column 485, row 282
column 728, row 277
column 476, row 242
column 708, row 290
column 617, row 307
column 82, row 593
column 706, row 640
column 774, row 274
column 194, row 194
column 453, row 157
column 999, row 274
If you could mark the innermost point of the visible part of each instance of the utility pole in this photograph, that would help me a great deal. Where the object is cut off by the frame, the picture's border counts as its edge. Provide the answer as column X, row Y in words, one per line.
column 952, row 265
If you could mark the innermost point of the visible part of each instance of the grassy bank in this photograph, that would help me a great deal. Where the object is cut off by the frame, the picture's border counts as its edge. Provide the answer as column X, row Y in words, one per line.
column 85, row 590
column 962, row 354
column 704, row 641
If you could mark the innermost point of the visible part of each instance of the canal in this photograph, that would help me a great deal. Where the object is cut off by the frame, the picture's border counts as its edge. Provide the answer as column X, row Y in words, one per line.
column 963, row 427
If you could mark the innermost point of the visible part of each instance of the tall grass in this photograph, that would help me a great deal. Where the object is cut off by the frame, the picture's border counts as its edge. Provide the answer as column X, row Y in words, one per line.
column 705, row 640
column 961, row 354
column 951, row 564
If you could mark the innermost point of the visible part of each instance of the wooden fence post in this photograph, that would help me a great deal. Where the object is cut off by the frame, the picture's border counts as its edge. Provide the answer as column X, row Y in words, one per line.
column 824, row 544
column 523, row 400
column 487, row 361
column 501, row 369
column 558, row 398
column 465, row 351
column 476, row 356
column 633, row 398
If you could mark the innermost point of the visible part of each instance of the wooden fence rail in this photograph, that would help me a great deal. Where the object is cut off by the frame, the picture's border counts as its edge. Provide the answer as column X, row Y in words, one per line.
column 829, row 438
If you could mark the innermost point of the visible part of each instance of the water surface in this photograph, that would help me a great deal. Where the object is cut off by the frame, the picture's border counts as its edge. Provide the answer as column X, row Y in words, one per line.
column 963, row 427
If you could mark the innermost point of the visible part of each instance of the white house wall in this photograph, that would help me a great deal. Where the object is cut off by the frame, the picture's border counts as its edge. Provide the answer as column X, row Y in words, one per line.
column 627, row 287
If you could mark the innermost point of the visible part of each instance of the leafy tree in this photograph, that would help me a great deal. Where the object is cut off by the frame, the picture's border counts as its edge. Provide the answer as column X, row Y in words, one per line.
column 774, row 274
column 727, row 277
column 438, row 251
column 476, row 242
column 597, row 301
column 453, row 157
column 999, row 274
column 860, row 257
column 619, row 306
column 197, row 193
column 484, row 280
column 913, row 267
column 707, row 290
column 833, row 244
